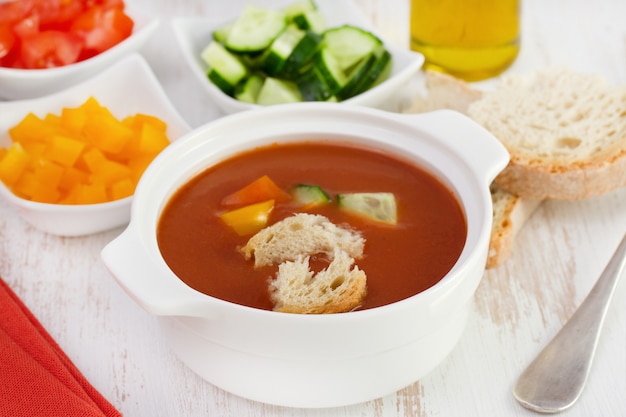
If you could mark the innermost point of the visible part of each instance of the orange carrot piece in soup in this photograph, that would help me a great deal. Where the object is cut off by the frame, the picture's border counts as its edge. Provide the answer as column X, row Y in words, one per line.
column 261, row 189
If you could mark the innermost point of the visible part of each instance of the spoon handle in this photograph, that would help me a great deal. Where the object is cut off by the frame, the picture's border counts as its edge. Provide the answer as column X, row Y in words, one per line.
column 556, row 377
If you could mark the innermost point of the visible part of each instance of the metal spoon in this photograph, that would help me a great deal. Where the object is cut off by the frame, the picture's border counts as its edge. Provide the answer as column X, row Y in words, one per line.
column 556, row 377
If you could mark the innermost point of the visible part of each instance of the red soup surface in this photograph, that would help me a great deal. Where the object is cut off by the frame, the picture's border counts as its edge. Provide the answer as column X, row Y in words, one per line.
column 400, row 260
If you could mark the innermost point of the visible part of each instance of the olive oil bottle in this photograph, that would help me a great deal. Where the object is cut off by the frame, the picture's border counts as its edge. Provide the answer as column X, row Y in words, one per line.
column 470, row 39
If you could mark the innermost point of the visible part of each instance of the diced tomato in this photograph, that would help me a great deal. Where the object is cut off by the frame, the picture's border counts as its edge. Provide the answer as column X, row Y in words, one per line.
column 58, row 14
column 13, row 11
column 102, row 28
column 50, row 49
column 27, row 27
column 96, row 25
column 111, row 3
column 7, row 40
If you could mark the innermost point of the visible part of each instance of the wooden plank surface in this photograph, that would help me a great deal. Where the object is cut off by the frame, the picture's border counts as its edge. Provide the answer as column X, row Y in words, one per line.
column 519, row 306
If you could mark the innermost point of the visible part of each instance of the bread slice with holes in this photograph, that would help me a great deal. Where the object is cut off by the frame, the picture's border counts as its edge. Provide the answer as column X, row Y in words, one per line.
column 301, row 234
column 339, row 288
column 565, row 132
column 510, row 212
column 290, row 244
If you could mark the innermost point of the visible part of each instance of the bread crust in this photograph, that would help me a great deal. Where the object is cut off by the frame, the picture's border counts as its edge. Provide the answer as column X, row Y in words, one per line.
column 571, row 182
column 510, row 212
column 565, row 132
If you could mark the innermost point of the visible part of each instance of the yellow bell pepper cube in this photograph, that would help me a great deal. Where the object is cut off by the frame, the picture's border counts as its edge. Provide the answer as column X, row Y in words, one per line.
column 92, row 158
column 110, row 172
column 73, row 119
column 26, row 185
column 138, row 120
column 48, row 174
column 71, row 177
column 122, row 189
column 46, row 195
column 139, row 164
column 248, row 219
column 91, row 193
column 64, row 150
column 107, row 133
column 14, row 163
column 153, row 140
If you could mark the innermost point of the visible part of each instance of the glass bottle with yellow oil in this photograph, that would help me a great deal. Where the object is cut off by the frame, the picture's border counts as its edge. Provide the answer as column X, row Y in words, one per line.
column 470, row 39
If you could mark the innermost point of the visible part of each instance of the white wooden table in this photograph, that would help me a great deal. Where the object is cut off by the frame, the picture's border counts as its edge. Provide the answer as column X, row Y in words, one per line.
column 519, row 306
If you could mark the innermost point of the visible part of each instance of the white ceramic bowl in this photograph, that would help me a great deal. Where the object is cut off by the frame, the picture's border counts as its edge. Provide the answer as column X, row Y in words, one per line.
column 126, row 88
column 313, row 360
column 194, row 34
column 17, row 84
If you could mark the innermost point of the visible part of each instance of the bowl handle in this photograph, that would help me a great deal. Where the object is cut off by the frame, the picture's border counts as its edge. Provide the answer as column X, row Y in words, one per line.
column 147, row 279
column 485, row 154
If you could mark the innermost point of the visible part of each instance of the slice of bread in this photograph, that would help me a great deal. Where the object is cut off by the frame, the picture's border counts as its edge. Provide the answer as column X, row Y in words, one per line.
column 301, row 234
column 565, row 132
column 510, row 212
column 290, row 243
column 337, row 289
column 443, row 91
column 509, row 215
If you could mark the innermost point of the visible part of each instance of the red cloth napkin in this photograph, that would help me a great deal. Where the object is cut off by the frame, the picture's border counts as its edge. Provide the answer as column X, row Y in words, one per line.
column 36, row 377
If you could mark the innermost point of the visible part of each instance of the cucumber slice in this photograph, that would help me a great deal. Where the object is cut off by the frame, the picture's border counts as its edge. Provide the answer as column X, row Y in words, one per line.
column 299, row 7
column 310, row 195
column 312, row 20
column 225, row 68
column 380, row 207
column 370, row 71
column 356, row 75
column 378, row 72
column 330, row 70
column 349, row 44
column 290, row 51
column 255, row 29
column 220, row 34
column 313, row 87
column 248, row 91
column 277, row 91
column 302, row 55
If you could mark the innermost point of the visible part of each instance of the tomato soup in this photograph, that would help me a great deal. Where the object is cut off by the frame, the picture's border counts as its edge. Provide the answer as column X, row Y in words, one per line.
column 400, row 260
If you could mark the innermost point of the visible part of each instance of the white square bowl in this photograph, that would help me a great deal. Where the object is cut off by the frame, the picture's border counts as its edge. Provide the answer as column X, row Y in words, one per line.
column 194, row 34
column 126, row 88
